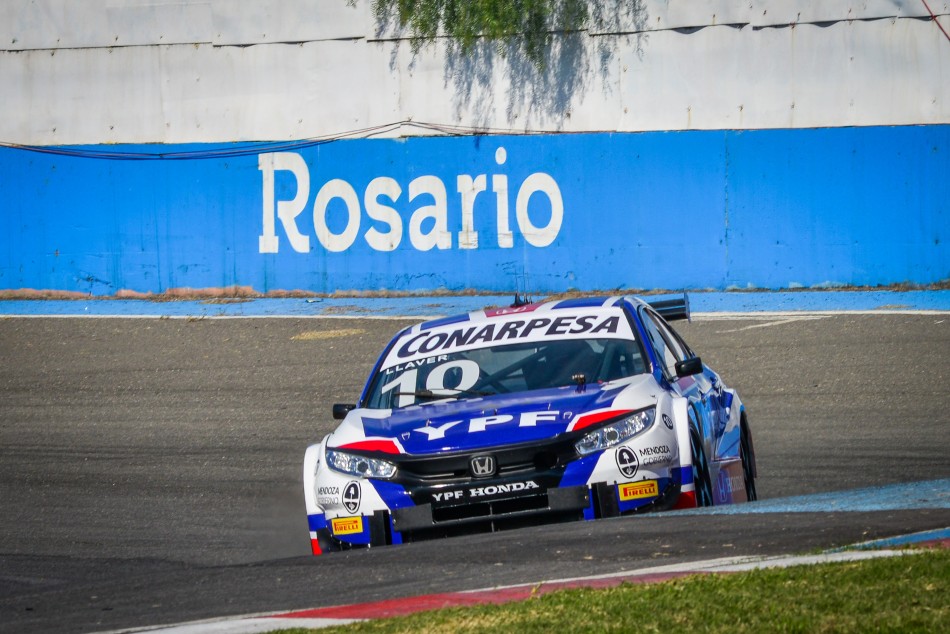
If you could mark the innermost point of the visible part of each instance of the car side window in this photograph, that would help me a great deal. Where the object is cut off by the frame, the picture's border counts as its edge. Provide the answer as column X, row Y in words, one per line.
column 668, row 352
column 673, row 339
column 674, row 336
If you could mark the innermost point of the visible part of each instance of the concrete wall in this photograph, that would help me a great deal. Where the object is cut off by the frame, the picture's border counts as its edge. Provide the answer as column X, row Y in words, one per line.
column 140, row 71
column 717, row 146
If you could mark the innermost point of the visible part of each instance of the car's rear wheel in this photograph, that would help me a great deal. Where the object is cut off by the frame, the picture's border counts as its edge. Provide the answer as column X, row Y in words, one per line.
column 748, row 461
column 700, row 471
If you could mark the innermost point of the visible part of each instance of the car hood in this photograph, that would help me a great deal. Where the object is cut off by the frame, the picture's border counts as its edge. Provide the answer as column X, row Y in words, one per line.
column 491, row 421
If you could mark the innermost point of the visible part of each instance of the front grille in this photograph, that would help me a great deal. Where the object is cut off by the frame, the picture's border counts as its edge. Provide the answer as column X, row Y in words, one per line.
column 448, row 500
column 436, row 471
column 513, row 461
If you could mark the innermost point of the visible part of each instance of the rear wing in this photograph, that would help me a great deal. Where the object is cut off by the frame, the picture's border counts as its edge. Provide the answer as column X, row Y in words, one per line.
column 672, row 309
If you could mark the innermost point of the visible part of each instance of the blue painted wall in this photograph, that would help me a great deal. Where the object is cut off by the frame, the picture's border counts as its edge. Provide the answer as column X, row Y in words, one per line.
column 771, row 208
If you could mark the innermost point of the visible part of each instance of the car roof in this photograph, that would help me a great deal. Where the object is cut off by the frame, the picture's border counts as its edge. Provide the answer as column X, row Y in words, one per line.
column 489, row 314
column 603, row 305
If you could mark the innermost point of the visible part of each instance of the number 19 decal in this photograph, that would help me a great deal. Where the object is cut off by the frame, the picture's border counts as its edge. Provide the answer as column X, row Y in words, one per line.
column 461, row 375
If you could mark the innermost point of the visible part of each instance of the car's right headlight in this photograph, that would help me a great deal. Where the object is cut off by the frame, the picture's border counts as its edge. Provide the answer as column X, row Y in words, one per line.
column 362, row 466
column 615, row 433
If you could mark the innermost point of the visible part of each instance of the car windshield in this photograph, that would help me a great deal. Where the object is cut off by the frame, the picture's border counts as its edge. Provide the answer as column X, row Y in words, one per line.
column 503, row 369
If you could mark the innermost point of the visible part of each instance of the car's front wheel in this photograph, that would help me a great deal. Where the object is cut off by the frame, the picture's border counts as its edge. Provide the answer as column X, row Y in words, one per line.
column 700, row 471
column 748, row 460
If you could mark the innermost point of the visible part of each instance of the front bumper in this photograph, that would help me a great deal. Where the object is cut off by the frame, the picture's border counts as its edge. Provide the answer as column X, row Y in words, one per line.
column 439, row 496
column 553, row 505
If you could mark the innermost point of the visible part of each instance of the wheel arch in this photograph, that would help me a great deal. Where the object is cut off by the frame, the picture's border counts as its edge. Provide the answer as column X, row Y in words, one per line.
column 681, row 426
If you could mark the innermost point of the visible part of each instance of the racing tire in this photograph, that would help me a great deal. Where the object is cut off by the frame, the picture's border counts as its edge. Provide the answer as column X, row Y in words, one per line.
column 701, row 480
column 748, row 461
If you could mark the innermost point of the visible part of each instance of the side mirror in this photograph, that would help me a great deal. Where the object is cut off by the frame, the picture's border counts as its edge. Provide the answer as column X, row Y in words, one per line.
column 689, row 367
column 340, row 410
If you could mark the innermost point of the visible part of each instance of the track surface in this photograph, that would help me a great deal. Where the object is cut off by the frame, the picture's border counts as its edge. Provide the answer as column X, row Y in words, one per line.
column 150, row 469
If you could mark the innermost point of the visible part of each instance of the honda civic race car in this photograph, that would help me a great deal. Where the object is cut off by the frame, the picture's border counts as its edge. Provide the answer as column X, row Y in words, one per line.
column 565, row 410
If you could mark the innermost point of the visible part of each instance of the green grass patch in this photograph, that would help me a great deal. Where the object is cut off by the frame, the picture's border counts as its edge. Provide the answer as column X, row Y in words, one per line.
column 895, row 594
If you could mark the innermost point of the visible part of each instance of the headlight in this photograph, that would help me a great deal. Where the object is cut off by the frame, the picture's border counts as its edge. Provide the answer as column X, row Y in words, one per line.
column 361, row 466
column 615, row 433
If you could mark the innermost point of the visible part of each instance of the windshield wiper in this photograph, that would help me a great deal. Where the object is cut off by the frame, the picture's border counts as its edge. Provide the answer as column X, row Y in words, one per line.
column 431, row 395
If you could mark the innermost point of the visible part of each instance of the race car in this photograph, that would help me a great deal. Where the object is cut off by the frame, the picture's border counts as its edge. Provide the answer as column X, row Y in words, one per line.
column 575, row 409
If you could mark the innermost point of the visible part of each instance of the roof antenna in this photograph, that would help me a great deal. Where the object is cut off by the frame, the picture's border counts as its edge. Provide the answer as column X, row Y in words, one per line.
column 520, row 300
column 521, row 294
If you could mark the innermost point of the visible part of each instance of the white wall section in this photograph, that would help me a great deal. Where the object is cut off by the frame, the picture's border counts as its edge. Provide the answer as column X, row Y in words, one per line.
column 164, row 71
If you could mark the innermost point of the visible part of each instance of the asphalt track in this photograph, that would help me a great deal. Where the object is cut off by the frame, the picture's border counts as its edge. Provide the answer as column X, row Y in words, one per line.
column 150, row 468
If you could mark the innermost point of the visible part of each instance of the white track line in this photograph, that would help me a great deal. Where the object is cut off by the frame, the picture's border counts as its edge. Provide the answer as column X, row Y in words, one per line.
column 722, row 564
column 769, row 324
column 769, row 314
column 248, row 624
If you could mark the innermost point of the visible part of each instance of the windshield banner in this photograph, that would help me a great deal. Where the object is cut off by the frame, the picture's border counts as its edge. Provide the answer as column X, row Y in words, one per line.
column 552, row 325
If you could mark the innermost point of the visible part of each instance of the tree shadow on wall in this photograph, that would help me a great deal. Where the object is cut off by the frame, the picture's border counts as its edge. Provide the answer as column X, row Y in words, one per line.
column 537, row 95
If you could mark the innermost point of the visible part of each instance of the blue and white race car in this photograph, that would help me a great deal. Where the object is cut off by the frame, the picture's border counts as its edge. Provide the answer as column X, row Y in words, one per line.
column 566, row 410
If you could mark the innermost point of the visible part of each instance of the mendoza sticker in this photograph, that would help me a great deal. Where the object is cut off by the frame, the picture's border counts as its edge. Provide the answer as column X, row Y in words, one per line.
column 638, row 490
column 347, row 525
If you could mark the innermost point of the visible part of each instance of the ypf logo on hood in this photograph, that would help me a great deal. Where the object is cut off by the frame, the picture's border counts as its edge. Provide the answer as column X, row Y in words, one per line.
column 351, row 497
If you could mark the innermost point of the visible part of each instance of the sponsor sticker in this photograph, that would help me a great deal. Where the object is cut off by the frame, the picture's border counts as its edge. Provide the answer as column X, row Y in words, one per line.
column 728, row 484
column 414, row 348
column 655, row 460
column 482, row 423
column 627, row 462
column 496, row 489
column 351, row 497
column 659, row 450
column 489, row 491
column 347, row 525
column 638, row 490
column 667, row 421
column 328, row 496
column 447, row 496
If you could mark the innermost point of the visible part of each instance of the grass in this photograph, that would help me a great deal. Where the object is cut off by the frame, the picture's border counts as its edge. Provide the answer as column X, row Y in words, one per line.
column 896, row 594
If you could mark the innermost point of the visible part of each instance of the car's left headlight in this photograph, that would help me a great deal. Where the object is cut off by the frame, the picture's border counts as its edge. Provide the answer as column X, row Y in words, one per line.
column 361, row 466
column 616, row 433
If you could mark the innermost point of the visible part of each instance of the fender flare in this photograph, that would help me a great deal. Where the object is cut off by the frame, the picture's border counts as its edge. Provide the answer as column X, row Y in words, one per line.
column 311, row 461
column 681, row 428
